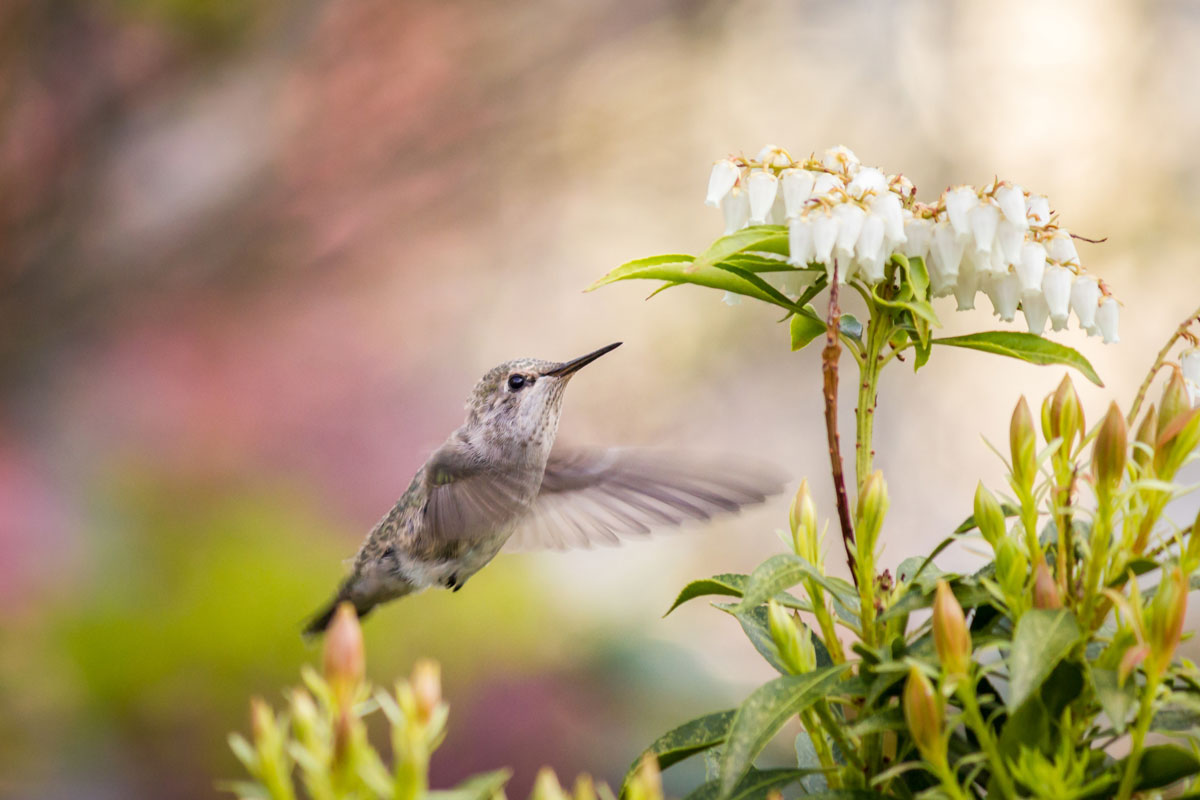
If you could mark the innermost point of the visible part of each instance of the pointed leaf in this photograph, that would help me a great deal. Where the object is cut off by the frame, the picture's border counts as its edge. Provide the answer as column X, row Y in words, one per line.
column 1042, row 639
column 728, row 584
column 477, row 787
column 672, row 269
column 764, row 712
column 805, row 328
column 1116, row 700
column 1164, row 764
column 767, row 238
column 687, row 740
column 758, row 630
column 1026, row 347
column 756, row 785
column 784, row 570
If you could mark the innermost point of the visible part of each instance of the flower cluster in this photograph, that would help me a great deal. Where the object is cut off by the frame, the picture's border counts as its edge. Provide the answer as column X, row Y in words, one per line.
column 998, row 239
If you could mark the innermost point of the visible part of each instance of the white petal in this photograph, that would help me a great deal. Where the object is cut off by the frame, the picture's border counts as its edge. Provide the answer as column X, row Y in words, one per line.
column 825, row 183
column 722, row 178
column 1009, row 239
column 983, row 219
column 958, row 203
column 868, row 179
column 1036, row 312
column 940, row 284
column 918, row 233
column 840, row 159
column 800, row 241
column 825, row 231
column 1107, row 317
column 792, row 283
column 868, row 250
column 797, row 188
column 1004, row 292
column 778, row 215
column 1193, row 392
column 774, row 156
column 850, row 219
column 1062, row 248
column 731, row 299
column 761, row 187
column 1189, row 364
column 1056, row 284
column 890, row 209
column 736, row 207
column 965, row 288
column 1085, row 298
column 1037, row 209
column 1011, row 200
column 948, row 248
column 1031, row 269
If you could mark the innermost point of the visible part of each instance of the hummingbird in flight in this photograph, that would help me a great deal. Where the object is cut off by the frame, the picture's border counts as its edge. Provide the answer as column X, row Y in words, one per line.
column 499, row 480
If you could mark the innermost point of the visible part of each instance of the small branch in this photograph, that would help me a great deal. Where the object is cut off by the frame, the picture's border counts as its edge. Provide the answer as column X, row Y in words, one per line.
column 1089, row 241
column 829, row 367
column 1180, row 332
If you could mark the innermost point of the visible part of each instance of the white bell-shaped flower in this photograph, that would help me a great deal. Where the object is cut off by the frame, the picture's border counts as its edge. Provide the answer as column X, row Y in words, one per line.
column 825, row 183
column 1004, row 291
column 1189, row 365
column 1011, row 200
column 736, row 207
column 1036, row 311
column 724, row 175
column 774, row 156
column 918, row 235
column 965, row 288
column 1009, row 239
column 761, row 186
column 983, row 219
column 797, row 186
column 1056, row 285
column 840, row 159
column 824, row 235
column 778, row 215
column 1107, row 317
column 902, row 185
column 850, row 217
column 731, row 299
column 1031, row 269
column 1061, row 248
column 948, row 248
column 1085, row 299
column 959, row 202
column 891, row 211
column 800, row 241
column 1037, row 210
column 869, row 251
column 868, row 179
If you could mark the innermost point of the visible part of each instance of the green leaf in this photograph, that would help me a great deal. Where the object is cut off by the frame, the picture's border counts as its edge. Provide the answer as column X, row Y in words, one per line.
column 764, row 712
column 851, row 326
column 1181, row 714
column 683, row 742
column 756, row 784
column 758, row 630
column 245, row 789
column 1164, row 764
column 775, row 296
column 805, row 328
column 477, row 787
column 777, row 573
column 1042, row 638
column 244, row 751
column 969, row 523
column 682, row 269
column 1117, row 701
column 917, row 273
column 1026, row 347
column 807, row 759
column 767, row 238
column 728, row 584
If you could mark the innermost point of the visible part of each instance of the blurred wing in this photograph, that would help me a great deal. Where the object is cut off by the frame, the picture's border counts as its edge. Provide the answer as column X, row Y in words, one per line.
column 467, row 499
column 601, row 496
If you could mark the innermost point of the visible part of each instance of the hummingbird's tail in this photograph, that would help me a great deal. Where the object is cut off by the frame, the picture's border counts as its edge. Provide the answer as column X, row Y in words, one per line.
column 320, row 620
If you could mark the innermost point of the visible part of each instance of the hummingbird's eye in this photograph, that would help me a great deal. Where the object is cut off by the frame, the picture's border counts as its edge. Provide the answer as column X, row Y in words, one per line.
column 518, row 381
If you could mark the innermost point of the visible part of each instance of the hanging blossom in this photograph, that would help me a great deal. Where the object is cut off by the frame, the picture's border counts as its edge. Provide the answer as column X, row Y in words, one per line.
column 999, row 239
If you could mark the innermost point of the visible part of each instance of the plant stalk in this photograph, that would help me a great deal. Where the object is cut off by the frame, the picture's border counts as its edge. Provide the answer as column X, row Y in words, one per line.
column 829, row 368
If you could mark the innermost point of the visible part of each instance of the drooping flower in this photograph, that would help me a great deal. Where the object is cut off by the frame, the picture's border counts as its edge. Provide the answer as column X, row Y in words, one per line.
column 868, row 250
column 824, row 235
column 1004, row 291
column 1011, row 200
column 724, row 175
column 850, row 218
column 841, row 159
column 800, row 241
column 1037, row 210
column 1061, row 248
column 1107, row 317
column 825, row 183
column 1031, row 269
column 947, row 248
column 868, row 180
column 736, row 207
column 1189, row 365
column 891, row 211
column 1085, row 300
column 983, row 219
column 761, row 187
column 959, row 202
column 1036, row 311
column 1056, row 285
column 918, row 232
column 797, row 186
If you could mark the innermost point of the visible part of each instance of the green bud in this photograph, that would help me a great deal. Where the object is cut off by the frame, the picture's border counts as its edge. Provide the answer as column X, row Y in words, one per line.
column 1111, row 449
column 1065, row 415
column 1175, row 401
column 803, row 518
column 1011, row 567
column 872, row 508
column 344, row 659
column 546, row 786
column 1045, row 590
column 989, row 516
column 1165, row 617
column 792, row 638
column 924, row 717
column 305, row 716
column 1022, row 442
column 950, row 635
column 1190, row 559
column 1146, row 435
column 585, row 788
column 646, row 783
column 426, row 684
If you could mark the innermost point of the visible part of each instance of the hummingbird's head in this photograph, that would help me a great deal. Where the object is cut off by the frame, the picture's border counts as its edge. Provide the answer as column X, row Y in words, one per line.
column 519, row 401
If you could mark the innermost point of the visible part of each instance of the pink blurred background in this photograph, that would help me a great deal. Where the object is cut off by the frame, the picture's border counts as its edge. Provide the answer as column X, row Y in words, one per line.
column 253, row 256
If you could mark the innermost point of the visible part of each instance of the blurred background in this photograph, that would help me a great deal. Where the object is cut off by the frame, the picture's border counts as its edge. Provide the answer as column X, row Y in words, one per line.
column 253, row 256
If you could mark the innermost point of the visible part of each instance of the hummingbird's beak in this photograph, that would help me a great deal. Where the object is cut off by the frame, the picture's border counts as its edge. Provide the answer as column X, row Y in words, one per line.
column 570, row 367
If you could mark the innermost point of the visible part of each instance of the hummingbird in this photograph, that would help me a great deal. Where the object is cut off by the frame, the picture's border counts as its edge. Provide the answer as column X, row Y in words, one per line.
column 499, row 479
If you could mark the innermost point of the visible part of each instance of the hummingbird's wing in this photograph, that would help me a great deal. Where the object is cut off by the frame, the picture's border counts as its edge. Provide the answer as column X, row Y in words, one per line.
column 601, row 496
column 468, row 498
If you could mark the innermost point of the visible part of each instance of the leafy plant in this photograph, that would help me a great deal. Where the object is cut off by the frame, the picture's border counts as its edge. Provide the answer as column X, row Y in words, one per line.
column 1027, row 672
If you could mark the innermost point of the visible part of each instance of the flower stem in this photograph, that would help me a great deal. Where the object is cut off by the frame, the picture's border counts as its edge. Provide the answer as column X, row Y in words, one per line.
column 975, row 721
column 829, row 367
column 1158, row 364
column 1145, row 715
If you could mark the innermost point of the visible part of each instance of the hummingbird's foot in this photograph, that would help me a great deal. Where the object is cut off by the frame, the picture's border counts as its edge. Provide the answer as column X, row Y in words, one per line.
column 453, row 584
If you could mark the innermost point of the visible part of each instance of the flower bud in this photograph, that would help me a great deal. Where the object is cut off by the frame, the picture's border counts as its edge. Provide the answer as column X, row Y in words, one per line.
column 547, row 787
column 1143, row 455
column 345, row 663
column 1022, row 443
column 1174, row 402
column 1111, row 449
column 262, row 720
column 792, row 638
column 1165, row 617
column 1191, row 548
column 304, row 715
column 989, row 516
column 1011, row 567
column 1065, row 416
column 803, row 519
column 427, row 688
column 950, row 635
column 647, row 781
column 585, row 788
column 1045, row 590
column 872, row 507
column 923, row 715
column 721, row 180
